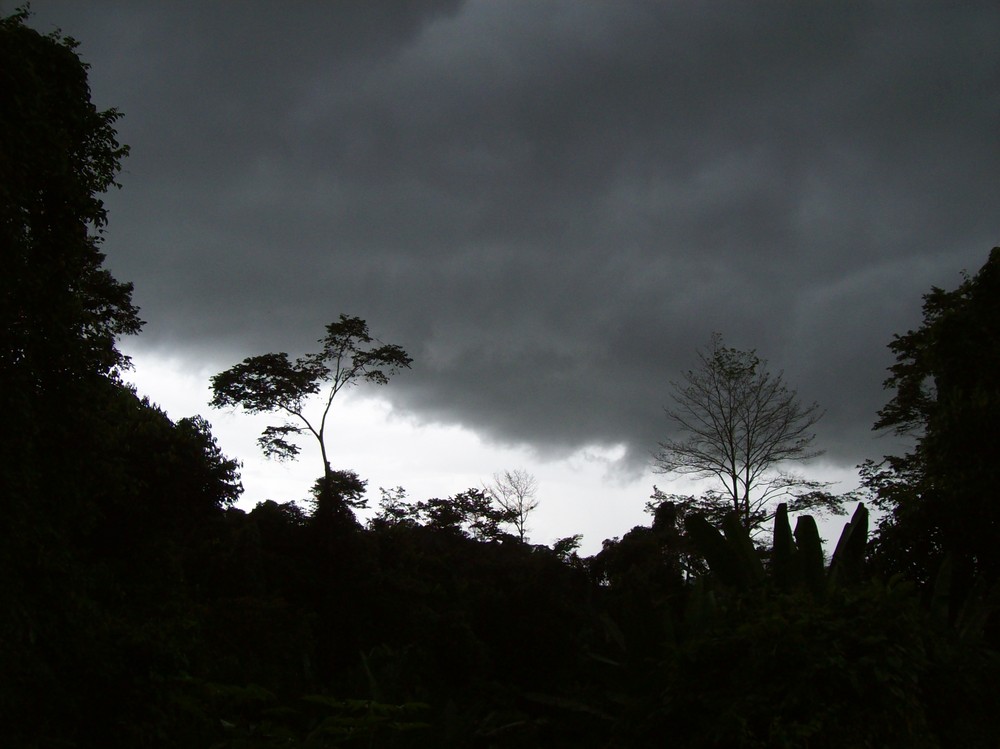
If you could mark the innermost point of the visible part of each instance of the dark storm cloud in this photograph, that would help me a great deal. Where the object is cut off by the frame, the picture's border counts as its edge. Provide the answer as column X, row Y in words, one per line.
column 552, row 205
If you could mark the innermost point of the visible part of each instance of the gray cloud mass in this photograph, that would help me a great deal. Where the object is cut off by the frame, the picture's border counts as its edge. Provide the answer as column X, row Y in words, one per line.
column 552, row 205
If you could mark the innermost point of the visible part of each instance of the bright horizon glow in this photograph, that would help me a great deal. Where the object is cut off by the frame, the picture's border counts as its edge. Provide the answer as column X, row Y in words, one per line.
column 580, row 493
column 585, row 492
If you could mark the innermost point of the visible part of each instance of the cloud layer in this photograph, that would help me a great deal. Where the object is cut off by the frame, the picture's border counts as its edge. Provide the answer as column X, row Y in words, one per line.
column 552, row 205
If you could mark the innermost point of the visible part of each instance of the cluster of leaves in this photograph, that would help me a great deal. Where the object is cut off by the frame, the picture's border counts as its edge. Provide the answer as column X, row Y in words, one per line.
column 475, row 513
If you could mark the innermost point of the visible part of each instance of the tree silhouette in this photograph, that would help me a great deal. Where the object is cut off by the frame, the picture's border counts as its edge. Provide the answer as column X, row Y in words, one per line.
column 946, row 396
column 739, row 424
column 515, row 492
column 61, row 311
column 272, row 383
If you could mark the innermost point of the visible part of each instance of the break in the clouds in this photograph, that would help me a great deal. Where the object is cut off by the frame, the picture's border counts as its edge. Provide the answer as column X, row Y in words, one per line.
column 552, row 205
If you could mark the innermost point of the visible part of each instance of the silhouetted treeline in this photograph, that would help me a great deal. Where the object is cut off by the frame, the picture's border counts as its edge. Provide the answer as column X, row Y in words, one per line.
column 140, row 608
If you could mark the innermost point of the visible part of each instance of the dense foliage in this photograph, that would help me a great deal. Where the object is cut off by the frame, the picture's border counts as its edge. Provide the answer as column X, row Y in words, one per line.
column 946, row 395
column 140, row 608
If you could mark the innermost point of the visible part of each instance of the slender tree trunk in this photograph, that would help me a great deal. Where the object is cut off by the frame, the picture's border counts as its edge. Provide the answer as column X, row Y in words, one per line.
column 324, row 502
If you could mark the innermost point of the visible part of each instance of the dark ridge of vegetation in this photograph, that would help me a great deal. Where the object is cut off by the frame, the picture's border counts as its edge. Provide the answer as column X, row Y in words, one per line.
column 140, row 608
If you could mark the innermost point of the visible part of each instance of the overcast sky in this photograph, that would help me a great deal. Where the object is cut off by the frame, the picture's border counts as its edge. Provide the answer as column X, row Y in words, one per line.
column 550, row 205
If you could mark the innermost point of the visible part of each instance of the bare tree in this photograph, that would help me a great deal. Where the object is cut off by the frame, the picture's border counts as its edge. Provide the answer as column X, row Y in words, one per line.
column 515, row 492
column 740, row 424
